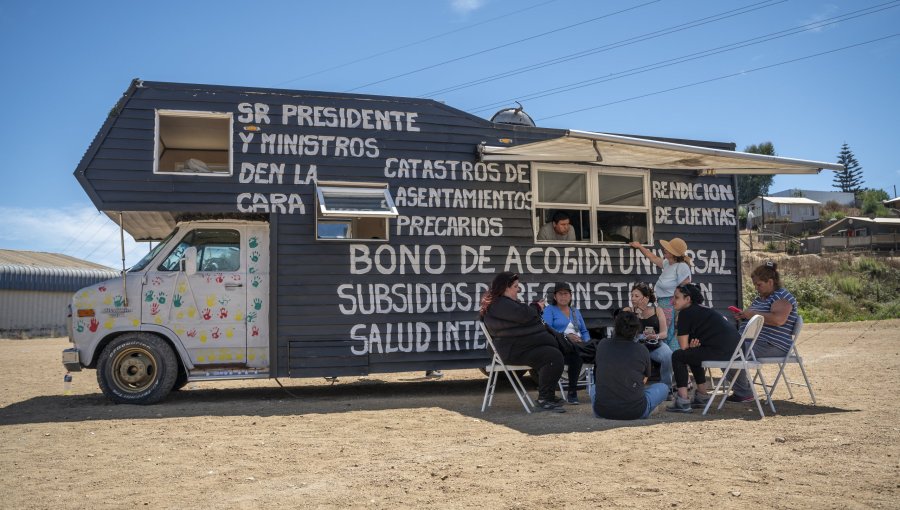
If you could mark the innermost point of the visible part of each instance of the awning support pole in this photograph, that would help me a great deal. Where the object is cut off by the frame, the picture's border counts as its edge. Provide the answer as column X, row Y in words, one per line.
column 122, row 245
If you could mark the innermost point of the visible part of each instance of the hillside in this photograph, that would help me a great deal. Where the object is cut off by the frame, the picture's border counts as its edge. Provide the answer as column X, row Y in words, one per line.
column 839, row 287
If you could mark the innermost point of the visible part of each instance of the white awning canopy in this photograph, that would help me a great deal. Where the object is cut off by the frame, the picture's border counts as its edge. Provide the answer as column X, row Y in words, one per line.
column 624, row 151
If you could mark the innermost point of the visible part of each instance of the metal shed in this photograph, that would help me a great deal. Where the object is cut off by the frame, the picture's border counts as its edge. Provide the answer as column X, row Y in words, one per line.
column 35, row 288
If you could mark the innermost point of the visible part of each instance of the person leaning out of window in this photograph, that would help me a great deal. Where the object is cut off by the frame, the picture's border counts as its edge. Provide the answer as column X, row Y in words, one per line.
column 622, row 368
column 559, row 228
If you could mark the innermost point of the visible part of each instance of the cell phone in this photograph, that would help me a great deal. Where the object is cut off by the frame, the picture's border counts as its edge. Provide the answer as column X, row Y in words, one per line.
column 735, row 309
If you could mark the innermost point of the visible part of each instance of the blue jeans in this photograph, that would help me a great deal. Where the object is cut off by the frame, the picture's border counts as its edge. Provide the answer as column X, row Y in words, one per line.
column 654, row 395
column 663, row 356
column 671, row 315
column 762, row 349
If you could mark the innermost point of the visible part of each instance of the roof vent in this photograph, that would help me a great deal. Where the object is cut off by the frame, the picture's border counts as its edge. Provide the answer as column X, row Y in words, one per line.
column 513, row 116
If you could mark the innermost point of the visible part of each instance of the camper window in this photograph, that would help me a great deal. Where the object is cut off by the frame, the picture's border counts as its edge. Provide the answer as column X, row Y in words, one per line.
column 604, row 205
column 217, row 250
column 189, row 142
column 353, row 211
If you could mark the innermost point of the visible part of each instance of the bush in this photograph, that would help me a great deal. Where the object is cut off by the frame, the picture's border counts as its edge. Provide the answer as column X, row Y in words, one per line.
column 849, row 285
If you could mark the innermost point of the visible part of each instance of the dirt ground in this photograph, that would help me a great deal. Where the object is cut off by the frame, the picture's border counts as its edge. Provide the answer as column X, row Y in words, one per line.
column 389, row 441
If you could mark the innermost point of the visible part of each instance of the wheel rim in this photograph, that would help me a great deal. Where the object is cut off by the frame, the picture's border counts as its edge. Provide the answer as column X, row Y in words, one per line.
column 134, row 369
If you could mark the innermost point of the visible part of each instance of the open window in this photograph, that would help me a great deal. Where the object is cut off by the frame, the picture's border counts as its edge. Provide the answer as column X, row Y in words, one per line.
column 217, row 250
column 189, row 142
column 353, row 211
column 603, row 204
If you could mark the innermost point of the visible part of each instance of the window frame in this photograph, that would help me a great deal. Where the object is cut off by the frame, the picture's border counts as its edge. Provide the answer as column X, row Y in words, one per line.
column 352, row 217
column 192, row 114
column 592, row 174
column 191, row 233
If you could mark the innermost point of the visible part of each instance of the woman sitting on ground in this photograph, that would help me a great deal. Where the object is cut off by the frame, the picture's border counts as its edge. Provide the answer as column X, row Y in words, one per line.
column 622, row 367
column 566, row 319
column 703, row 334
column 655, row 328
column 522, row 338
column 779, row 310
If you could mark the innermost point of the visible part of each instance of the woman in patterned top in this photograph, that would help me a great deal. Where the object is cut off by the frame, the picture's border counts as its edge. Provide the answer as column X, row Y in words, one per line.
column 779, row 310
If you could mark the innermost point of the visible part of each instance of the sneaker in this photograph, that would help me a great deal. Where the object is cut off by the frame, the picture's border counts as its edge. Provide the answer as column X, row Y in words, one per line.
column 699, row 402
column 548, row 405
column 558, row 401
column 734, row 397
column 434, row 374
column 572, row 398
column 680, row 406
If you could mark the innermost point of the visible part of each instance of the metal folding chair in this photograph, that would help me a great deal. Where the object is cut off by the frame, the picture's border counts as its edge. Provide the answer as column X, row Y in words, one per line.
column 497, row 366
column 792, row 356
column 739, row 361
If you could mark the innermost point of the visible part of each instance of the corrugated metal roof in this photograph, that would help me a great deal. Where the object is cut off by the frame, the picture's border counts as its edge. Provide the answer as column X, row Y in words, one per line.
column 28, row 270
column 44, row 259
column 791, row 200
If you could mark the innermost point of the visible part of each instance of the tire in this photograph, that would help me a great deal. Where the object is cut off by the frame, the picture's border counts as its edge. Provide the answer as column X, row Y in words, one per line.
column 137, row 368
column 181, row 380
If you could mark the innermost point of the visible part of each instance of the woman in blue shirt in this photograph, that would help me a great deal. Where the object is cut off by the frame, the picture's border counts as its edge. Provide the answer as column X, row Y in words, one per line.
column 561, row 316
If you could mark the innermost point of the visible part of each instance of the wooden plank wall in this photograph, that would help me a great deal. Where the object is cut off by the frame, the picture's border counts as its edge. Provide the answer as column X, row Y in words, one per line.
column 410, row 303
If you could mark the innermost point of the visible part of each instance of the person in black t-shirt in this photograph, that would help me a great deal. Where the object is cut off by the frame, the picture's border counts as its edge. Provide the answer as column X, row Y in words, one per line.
column 703, row 334
column 621, row 369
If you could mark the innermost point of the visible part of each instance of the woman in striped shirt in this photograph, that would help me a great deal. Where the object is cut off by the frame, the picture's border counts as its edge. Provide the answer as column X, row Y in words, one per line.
column 779, row 311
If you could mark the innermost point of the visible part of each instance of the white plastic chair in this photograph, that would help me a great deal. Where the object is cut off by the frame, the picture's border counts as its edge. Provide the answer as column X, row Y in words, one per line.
column 740, row 361
column 792, row 356
column 497, row 365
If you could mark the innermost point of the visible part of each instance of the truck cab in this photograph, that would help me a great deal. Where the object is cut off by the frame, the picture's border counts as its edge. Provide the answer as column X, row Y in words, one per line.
column 196, row 307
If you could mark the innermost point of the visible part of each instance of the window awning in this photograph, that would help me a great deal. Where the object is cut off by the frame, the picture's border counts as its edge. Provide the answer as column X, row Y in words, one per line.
column 624, row 151
column 356, row 200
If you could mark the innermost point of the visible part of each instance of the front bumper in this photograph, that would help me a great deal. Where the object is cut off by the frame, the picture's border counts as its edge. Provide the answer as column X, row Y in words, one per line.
column 71, row 359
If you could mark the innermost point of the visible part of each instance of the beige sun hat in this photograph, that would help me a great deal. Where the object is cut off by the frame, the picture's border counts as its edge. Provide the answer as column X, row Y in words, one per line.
column 676, row 247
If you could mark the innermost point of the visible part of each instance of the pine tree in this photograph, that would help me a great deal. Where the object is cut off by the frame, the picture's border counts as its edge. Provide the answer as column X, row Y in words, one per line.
column 850, row 178
column 752, row 186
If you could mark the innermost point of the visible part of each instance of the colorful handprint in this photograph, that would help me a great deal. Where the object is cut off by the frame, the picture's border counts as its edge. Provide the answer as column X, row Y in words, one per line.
column 220, row 278
column 251, row 316
column 207, row 314
column 254, row 256
column 253, row 242
column 161, row 297
column 119, row 301
column 223, row 313
column 256, row 280
column 176, row 300
column 254, row 331
column 257, row 304
column 93, row 325
column 215, row 333
column 154, row 309
column 148, row 297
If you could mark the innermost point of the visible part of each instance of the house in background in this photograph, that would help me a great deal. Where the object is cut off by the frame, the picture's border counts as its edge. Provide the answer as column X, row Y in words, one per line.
column 36, row 287
column 785, row 209
column 847, row 199
column 863, row 233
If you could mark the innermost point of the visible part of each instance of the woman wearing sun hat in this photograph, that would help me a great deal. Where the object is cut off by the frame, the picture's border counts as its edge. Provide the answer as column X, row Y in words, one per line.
column 676, row 270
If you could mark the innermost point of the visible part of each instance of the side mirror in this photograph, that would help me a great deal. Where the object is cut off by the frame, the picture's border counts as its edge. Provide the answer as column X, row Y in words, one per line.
column 189, row 261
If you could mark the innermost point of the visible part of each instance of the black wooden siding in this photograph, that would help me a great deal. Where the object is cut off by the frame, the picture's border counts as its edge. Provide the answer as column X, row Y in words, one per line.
column 311, row 334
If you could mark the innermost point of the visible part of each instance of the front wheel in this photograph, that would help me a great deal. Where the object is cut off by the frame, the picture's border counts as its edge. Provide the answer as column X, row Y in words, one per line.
column 137, row 368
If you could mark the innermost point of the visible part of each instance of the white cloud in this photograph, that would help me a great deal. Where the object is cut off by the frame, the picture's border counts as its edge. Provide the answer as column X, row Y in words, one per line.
column 81, row 232
column 826, row 12
column 466, row 6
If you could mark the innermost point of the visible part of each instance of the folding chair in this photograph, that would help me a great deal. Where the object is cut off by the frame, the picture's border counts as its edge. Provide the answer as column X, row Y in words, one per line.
column 740, row 361
column 497, row 365
column 585, row 378
column 792, row 356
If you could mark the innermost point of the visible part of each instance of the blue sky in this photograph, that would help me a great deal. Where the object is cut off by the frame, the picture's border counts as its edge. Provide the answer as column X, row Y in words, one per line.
column 66, row 63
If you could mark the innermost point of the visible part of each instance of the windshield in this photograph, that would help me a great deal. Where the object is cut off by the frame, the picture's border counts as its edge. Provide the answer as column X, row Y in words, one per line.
column 150, row 256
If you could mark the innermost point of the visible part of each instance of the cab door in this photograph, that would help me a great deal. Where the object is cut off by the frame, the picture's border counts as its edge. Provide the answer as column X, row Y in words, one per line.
column 207, row 306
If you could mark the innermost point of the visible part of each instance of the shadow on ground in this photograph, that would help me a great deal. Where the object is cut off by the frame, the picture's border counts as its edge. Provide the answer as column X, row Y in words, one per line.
column 369, row 394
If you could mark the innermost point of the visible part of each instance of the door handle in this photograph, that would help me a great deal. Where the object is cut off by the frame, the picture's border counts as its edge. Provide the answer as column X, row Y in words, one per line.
column 233, row 285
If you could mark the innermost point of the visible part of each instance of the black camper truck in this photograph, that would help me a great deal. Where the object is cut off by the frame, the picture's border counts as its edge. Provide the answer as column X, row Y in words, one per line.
column 307, row 234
